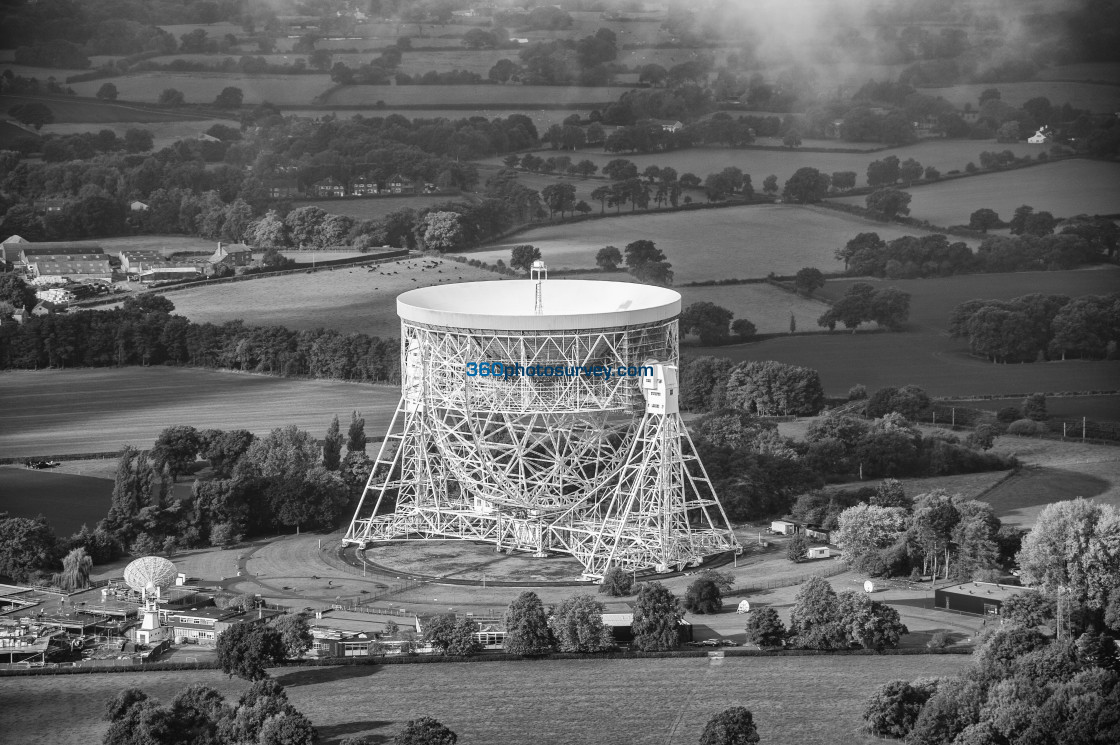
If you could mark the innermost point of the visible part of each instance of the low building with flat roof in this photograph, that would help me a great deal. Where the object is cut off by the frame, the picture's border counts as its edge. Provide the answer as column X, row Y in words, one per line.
column 980, row 598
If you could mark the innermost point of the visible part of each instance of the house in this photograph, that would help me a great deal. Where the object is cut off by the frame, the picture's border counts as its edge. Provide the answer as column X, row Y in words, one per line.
column 50, row 206
column 1041, row 137
column 363, row 186
column 399, row 184
column 784, row 527
column 207, row 138
column 278, row 188
column 10, row 248
column 329, row 187
column 669, row 125
column 979, row 598
column 138, row 206
column 233, row 255
column 969, row 117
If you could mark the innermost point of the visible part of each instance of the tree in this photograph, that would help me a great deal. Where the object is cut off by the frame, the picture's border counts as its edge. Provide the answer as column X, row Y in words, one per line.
column 768, row 388
column 26, row 546
column 910, row 171
column 984, row 219
column 332, row 446
column 245, row 650
column 866, row 528
column 806, row 186
column 287, row 728
column 451, row 636
column 617, row 582
column 705, row 593
column 442, row 231
column 894, row 708
column 815, row 619
column 889, row 202
column 770, row 184
column 743, row 328
column 1075, row 547
column 285, row 453
column 522, row 257
column 107, row 92
column 577, row 625
column 356, row 434
column 808, row 279
column 608, row 258
column 1028, row 609
column 527, row 626
column 1034, row 407
column 295, row 635
column 138, row 140
column 708, row 320
column 14, row 290
column 647, row 263
column 230, row 98
column 765, row 627
column 224, row 449
column 425, row 731
column 870, row 624
column 844, row 180
column 792, row 140
column 620, row 169
column 657, row 616
column 171, row 97
column 75, row 570
column 35, row 114
column 175, row 450
column 797, row 550
column 734, row 726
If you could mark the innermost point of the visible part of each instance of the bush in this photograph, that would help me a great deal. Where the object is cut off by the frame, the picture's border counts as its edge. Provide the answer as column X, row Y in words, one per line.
column 1034, row 407
column 940, row 640
column 894, row 708
column 1008, row 414
column 797, row 549
column 765, row 628
column 857, row 392
column 1026, row 427
column 617, row 583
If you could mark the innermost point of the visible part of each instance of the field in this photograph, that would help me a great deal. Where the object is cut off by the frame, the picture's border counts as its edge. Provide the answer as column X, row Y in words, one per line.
column 542, row 118
column 50, row 412
column 1065, row 188
column 68, row 110
column 1090, row 72
column 10, row 133
column 945, row 155
column 202, row 87
column 65, row 499
column 795, row 700
column 1103, row 408
column 528, row 96
column 344, row 299
column 1099, row 99
column 374, row 207
column 732, row 242
column 163, row 133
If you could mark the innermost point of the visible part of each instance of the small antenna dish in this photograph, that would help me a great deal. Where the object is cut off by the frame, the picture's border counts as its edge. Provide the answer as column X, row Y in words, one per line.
column 744, row 607
column 869, row 586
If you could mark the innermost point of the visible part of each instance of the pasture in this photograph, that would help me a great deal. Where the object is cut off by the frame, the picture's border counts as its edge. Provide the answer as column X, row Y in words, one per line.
column 542, row 118
column 527, row 96
column 346, row 299
column 163, row 133
column 794, row 700
column 50, row 412
column 945, row 155
column 731, row 242
column 67, row 110
column 1101, row 408
column 372, row 208
column 1097, row 98
column 66, row 500
column 1065, row 188
column 203, row 87
column 1089, row 72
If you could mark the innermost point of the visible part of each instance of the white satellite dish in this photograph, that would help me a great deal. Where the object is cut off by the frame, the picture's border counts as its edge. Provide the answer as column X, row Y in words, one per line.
column 869, row 586
column 148, row 574
column 744, row 607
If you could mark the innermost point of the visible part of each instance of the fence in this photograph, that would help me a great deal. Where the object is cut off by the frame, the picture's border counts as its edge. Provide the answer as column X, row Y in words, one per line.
column 838, row 568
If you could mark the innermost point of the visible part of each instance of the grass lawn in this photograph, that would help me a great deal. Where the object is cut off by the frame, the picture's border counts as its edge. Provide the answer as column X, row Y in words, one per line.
column 374, row 207
column 795, row 700
column 945, row 155
column 346, row 299
column 163, row 133
column 733, row 242
column 203, row 87
column 68, row 110
column 94, row 410
column 1097, row 98
column 1065, row 188
column 480, row 95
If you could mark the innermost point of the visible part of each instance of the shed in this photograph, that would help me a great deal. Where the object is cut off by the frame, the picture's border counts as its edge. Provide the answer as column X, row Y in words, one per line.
column 818, row 552
column 818, row 533
column 785, row 527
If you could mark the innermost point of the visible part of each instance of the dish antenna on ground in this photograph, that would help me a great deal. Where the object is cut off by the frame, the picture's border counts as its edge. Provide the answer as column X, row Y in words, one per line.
column 869, row 586
column 149, row 574
column 744, row 607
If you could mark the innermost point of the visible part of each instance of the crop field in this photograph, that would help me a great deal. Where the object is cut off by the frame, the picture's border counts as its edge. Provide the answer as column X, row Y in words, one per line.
column 372, row 208
column 1090, row 72
column 795, row 700
column 203, row 87
column 163, row 133
column 49, row 412
column 1097, row 98
column 1065, row 188
column 945, row 155
column 345, row 299
column 475, row 95
column 66, row 500
column 732, row 242
column 767, row 307
column 99, row 112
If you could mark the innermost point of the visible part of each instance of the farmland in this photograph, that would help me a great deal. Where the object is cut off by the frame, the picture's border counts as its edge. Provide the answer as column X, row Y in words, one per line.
column 202, row 87
column 163, row 133
column 945, row 155
column 542, row 118
column 795, row 700
column 372, row 208
column 732, row 242
column 79, row 411
column 66, row 500
column 66, row 110
column 1097, row 98
column 528, row 96
column 344, row 299
column 1090, row 72
column 1065, row 188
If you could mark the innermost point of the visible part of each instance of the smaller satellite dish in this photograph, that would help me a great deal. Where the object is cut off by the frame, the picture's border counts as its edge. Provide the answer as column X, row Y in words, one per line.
column 869, row 586
column 744, row 607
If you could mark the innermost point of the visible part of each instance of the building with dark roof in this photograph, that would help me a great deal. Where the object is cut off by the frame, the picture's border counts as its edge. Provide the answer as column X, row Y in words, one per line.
column 980, row 598
column 73, row 266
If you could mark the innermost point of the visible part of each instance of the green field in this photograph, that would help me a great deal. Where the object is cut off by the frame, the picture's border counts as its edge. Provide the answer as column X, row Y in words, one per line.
column 372, row 208
column 67, row 501
column 795, row 700
column 163, row 133
column 478, row 95
column 1097, row 98
column 1065, row 188
column 1087, row 71
column 203, row 87
column 945, row 155
column 49, row 412
column 67, row 110
column 926, row 356
column 732, row 242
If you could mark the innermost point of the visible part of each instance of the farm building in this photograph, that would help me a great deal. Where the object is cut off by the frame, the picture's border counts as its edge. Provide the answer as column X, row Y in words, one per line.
column 329, row 187
column 138, row 206
column 29, row 252
column 981, row 598
column 72, row 266
column 163, row 271
column 785, row 527
column 9, row 249
column 669, row 125
column 132, row 261
column 364, row 186
column 818, row 552
column 817, row 533
column 232, row 255
column 282, row 187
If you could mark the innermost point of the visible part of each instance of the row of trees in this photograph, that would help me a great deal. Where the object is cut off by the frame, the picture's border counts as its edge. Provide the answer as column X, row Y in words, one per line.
column 887, row 307
column 1038, row 327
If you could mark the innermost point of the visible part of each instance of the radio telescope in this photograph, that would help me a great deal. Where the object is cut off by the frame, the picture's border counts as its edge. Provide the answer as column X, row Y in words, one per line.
column 599, row 467
column 148, row 574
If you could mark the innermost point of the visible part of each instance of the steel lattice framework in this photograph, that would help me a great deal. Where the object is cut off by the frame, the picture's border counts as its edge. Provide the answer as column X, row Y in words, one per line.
column 599, row 468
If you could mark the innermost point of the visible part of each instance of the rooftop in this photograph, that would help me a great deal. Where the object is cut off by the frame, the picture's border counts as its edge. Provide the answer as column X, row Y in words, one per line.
column 567, row 304
column 986, row 589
